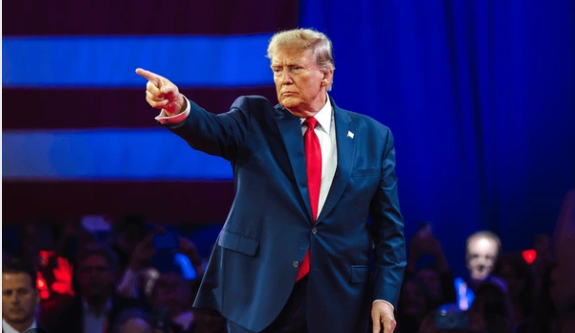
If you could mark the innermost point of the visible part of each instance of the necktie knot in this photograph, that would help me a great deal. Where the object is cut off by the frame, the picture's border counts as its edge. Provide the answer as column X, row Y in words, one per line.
column 311, row 123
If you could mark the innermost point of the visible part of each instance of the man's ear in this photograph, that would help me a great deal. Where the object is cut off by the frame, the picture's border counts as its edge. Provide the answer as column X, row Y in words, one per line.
column 327, row 77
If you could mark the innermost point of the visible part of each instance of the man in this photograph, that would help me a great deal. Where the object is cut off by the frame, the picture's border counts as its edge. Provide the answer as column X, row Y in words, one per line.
column 294, row 253
column 481, row 252
column 97, row 304
column 19, row 297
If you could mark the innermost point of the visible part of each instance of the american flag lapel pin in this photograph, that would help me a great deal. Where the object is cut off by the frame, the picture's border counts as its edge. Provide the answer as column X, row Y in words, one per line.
column 349, row 134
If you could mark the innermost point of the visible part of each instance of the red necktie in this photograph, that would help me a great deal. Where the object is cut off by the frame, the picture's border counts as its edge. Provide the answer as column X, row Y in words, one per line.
column 313, row 166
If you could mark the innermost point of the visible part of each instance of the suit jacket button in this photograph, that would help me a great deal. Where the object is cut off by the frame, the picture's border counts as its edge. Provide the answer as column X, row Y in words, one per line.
column 314, row 230
column 295, row 264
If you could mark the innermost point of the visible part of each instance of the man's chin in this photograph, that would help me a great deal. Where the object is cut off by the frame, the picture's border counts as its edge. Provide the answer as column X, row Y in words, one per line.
column 289, row 102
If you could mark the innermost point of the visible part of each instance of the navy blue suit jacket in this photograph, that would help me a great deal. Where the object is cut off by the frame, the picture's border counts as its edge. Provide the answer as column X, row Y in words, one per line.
column 253, row 268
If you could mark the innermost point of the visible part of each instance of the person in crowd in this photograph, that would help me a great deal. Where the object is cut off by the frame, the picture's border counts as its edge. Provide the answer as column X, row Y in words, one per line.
column 516, row 273
column 482, row 250
column 436, row 276
column 96, row 303
column 20, row 297
column 413, row 305
column 493, row 303
column 544, row 316
column 170, row 290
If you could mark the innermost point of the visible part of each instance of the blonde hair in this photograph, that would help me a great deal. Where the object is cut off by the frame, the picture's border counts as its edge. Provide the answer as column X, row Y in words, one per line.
column 305, row 39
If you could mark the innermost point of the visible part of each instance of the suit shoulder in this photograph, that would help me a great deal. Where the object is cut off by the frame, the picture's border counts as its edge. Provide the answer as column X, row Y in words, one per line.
column 368, row 122
column 252, row 103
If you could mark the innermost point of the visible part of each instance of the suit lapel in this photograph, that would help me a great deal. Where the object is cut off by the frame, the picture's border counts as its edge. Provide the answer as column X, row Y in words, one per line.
column 290, row 131
column 345, row 156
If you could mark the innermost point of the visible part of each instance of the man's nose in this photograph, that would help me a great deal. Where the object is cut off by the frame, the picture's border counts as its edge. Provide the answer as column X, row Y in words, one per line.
column 286, row 77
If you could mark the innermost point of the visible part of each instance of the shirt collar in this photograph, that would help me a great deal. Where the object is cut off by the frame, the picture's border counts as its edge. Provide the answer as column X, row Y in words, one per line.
column 323, row 117
column 9, row 329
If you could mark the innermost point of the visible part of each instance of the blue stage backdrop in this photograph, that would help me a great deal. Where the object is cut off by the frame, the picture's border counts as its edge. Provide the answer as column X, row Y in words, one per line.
column 480, row 96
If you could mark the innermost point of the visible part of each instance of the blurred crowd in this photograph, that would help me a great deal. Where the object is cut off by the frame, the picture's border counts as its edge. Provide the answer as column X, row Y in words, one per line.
column 527, row 292
column 142, row 278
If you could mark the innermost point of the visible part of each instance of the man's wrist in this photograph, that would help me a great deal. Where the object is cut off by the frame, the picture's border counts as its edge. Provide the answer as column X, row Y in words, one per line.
column 385, row 302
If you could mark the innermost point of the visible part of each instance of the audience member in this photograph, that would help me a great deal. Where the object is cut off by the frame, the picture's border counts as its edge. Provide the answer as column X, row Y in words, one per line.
column 493, row 303
column 437, row 276
column 413, row 305
column 516, row 273
column 543, row 319
column 97, row 303
column 19, row 296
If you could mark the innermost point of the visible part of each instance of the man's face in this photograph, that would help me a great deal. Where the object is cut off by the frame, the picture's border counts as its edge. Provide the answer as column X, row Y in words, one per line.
column 95, row 276
column 481, row 256
column 19, row 298
column 300, row 85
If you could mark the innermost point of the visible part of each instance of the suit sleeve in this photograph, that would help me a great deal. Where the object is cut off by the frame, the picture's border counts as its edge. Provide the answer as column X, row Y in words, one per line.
column 387, row 231
column 219, row 135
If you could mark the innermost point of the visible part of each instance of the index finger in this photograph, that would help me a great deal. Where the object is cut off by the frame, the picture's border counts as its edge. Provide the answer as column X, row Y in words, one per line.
column 152, row 77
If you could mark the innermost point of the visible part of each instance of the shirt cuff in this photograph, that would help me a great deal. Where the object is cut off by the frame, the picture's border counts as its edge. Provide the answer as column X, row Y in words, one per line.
column 163, row 118
column 381, row 300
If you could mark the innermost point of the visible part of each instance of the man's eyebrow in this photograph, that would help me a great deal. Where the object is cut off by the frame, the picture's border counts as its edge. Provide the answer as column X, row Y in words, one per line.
column 294, row 63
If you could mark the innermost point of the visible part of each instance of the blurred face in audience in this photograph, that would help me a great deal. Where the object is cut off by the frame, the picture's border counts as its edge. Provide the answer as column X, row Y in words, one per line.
column 481, row 257
column 413, row 300
column 171, row 291
column 95, row 276
column 431, row 280
column 19, row 298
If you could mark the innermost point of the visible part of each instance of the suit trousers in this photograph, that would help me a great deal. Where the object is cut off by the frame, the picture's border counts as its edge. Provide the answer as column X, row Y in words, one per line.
column 292, row 318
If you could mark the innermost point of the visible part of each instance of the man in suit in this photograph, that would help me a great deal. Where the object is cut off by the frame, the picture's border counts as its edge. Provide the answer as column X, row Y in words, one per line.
column 294, row 253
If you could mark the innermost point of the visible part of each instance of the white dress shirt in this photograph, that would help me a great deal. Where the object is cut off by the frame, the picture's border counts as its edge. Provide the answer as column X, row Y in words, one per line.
column 6, row 328
column 325, row 131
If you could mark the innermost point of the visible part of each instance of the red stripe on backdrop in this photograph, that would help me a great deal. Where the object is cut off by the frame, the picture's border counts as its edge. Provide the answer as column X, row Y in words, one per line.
column 97, row 108
column 160, row 201
column 147, row 17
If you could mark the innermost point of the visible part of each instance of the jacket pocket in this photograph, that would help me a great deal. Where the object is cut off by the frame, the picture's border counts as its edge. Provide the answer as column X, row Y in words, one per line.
column 374, row 172
column 359, row 274
column 238, row 243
